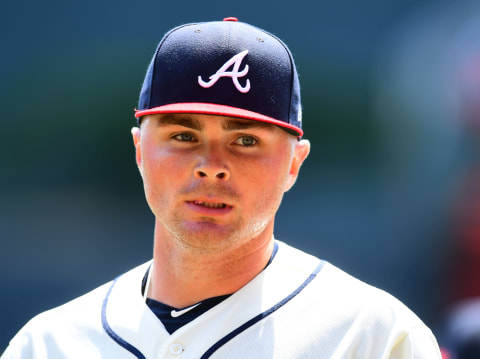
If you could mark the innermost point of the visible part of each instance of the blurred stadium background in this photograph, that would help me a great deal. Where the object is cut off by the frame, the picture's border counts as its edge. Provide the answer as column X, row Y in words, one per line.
column 389, row 95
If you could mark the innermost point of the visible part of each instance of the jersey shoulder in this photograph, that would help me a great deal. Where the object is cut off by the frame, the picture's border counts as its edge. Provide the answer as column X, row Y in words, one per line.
column 335, row 288
column 78, row 318
column 333, row 284
column 326, row 313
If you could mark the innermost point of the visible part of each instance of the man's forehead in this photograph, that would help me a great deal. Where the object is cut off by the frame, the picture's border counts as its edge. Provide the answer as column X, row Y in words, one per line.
column 197, row 121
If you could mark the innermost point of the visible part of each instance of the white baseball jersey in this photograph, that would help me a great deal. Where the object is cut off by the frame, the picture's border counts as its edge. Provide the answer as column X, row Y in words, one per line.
column 298, row 307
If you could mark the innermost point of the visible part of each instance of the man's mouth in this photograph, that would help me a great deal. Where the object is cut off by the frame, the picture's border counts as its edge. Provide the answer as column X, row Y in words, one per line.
column 210, row 205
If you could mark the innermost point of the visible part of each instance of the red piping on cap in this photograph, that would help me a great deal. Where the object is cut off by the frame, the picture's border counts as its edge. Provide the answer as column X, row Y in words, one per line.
column 230, row 19
column 214, row 109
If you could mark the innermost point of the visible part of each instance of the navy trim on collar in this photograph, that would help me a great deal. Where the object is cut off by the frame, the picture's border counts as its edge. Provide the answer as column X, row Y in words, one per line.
column 110, row 331
column 162, row 311
column 261, row 316
column 129, row 347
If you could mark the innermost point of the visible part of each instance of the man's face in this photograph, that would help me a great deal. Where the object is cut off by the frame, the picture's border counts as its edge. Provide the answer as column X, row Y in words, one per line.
column 214, row 181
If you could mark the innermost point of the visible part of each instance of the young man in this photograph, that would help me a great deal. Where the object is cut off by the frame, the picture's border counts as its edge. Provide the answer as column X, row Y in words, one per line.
column 218, row 144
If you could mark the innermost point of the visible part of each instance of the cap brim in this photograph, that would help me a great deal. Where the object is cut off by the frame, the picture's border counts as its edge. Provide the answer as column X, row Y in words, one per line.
column 221, row 110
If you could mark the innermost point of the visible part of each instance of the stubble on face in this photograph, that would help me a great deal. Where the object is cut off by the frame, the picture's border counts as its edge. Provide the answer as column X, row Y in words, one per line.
column 206, row 234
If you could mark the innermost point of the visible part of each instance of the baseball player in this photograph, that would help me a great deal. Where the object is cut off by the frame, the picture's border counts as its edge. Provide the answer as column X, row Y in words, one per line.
column 218, row 143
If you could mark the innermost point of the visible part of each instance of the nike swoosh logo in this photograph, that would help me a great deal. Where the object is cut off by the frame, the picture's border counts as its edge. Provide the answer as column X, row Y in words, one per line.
column 176, row 313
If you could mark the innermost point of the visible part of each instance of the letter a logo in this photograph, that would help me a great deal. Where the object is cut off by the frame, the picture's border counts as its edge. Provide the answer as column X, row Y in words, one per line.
column 234, row 74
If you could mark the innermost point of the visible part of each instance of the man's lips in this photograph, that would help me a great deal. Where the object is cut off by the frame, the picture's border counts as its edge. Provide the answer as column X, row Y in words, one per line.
column 209, row 206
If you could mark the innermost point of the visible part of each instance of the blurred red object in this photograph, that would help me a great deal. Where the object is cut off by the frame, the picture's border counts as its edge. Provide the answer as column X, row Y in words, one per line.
column 464, row 266
column 445, row 353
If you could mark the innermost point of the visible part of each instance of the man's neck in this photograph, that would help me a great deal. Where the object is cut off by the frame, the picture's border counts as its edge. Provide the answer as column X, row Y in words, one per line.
column 182, row 276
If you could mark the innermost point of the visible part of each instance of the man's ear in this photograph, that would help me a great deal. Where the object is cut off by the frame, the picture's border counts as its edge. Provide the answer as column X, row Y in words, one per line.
column 136, row 133
column 301, row 151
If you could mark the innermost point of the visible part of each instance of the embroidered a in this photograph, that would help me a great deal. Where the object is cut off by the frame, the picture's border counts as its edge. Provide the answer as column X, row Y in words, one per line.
column 236, row 61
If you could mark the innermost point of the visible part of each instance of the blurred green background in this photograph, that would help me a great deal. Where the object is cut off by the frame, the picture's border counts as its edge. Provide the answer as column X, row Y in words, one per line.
column 375, row 197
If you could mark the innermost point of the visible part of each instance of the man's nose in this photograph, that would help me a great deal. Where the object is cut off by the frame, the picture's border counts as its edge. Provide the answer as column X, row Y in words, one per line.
column 211, row 166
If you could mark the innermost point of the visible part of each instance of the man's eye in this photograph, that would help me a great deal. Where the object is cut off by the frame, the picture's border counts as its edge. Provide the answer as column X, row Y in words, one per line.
column 246, row 141
column 184, row 137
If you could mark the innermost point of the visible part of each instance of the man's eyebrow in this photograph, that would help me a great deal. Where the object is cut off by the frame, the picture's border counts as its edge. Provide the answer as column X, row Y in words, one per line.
column 180, row 120
column 232, row 125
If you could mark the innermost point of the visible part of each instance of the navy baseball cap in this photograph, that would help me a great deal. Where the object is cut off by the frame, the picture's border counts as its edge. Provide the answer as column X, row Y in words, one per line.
column 226, row 68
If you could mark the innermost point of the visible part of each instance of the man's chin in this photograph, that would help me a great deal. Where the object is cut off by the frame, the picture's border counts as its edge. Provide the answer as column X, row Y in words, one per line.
column 207, row 234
